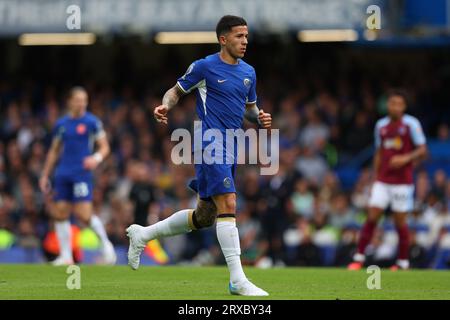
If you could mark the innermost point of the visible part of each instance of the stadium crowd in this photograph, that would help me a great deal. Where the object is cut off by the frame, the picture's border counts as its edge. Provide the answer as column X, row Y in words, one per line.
column 284, row 219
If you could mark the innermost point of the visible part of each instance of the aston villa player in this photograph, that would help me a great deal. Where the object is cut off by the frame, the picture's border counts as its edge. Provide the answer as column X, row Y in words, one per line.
column 400, row 143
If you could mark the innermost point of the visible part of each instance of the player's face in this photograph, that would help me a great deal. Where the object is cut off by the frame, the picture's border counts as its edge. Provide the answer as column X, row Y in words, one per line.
column 396, row 106
column 78, row 102
column 236, row 41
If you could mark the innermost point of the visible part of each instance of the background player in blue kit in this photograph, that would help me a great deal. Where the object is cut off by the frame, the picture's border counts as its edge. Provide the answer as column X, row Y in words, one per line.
column 74, row 138
column 226, row 93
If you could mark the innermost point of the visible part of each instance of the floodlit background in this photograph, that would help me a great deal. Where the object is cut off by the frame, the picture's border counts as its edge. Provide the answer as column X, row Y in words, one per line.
column 321, row 73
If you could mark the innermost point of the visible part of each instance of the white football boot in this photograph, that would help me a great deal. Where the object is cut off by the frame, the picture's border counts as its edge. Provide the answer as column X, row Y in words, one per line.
column 246, row 288
column 137, row 245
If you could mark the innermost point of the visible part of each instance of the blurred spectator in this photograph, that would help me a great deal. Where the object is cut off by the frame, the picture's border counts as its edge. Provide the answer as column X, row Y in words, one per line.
column 447, row 194
column 250, row 233
column 361, row 191
column 347, row 246
column 303, row 199
column 142, row 193
column 443, row 133
column 315, row 133
column 329, row 188
column 312, row 166
column 358, row 136
column 341, row 214
column 423, row 187
column 27, row 235
column 439, row 183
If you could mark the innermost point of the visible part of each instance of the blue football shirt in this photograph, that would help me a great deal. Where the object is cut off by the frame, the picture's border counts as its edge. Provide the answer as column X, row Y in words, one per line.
column 222, row 91
column 77, row 136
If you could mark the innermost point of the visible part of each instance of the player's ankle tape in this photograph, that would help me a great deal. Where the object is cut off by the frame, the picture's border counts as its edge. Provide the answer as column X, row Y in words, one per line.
column 226, row 215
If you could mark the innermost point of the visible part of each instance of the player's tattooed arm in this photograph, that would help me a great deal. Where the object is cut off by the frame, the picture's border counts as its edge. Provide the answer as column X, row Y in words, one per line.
column 172, row 96
column 50, row 161
column 170, row 99
column 254, row 115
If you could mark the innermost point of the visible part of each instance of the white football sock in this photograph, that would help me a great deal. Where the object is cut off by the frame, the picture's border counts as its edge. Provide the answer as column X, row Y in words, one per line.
column 359, row 257
column 404, row 264
column 64, row 235
column 97, row 225
column 228, row 237
column 177, row 223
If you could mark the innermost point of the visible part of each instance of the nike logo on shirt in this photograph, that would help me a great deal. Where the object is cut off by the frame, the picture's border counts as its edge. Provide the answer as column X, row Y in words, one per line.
column 220, row 81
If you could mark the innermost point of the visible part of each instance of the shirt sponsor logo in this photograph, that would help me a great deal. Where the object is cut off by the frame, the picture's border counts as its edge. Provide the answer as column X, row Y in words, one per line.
column 81, row 128
column 394, row 143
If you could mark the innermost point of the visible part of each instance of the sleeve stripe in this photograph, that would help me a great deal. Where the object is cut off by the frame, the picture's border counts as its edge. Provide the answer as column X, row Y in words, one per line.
column 181, row 87
column 101, row 134
column 416, row 131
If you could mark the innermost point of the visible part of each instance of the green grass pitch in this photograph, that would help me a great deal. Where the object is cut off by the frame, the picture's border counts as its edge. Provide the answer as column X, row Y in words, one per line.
column 210, row 283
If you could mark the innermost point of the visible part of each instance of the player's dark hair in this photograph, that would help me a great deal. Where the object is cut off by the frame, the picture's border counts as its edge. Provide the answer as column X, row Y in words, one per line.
column 226, row 23
column 74, row 90
column 398, row 92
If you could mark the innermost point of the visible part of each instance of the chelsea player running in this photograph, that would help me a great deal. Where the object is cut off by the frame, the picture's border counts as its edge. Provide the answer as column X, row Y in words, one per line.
column 226, row 93
column 74, row 136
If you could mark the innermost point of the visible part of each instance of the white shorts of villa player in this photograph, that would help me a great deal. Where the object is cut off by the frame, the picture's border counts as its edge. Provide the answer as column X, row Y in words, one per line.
column 400, row 197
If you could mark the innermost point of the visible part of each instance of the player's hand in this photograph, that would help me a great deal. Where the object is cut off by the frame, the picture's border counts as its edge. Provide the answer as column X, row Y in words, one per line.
column 90, row 163
column 265, row 119
column 399, row 161
column 160, row 113
column 44, row 185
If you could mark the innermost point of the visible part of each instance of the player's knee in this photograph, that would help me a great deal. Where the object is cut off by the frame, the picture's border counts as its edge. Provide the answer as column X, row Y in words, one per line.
column 400, row 220
column 60, row 213
column 204, row 221
column 60, row 217
column 225, row 203
column 84, row 217
column 374, row 215
column 83, row 212
column 229, row 203
column 204, row 215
